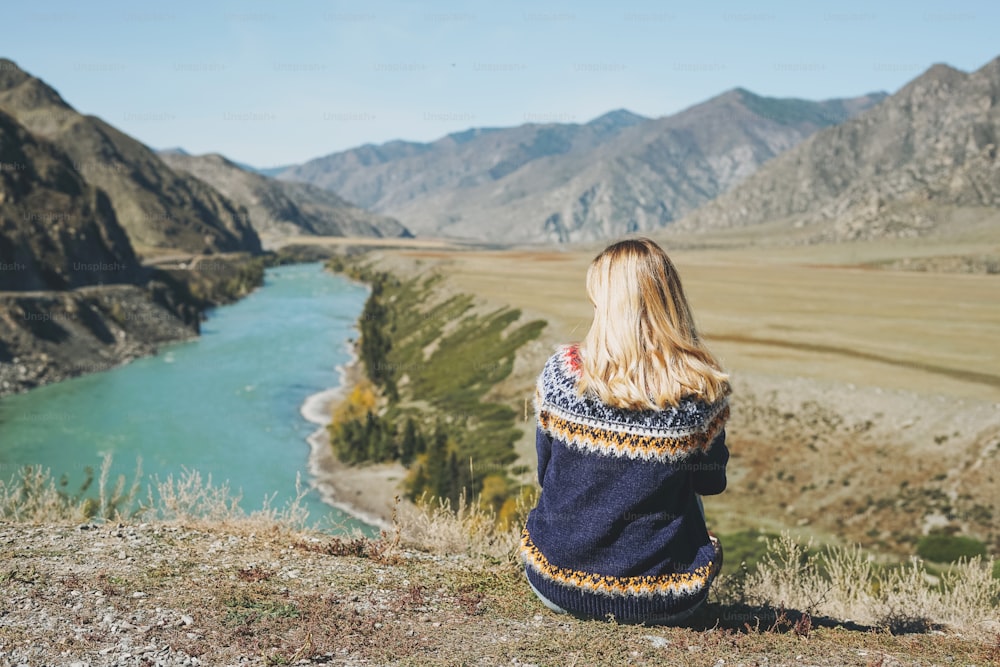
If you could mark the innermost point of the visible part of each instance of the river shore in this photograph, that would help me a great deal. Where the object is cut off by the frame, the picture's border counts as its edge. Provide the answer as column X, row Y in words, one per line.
column 366, row 492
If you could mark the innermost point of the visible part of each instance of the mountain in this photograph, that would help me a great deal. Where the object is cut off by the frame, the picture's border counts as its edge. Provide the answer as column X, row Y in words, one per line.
column 278, row 208
column 616, row 174
column 899, row 169
column 156, row 206
column 58, row 232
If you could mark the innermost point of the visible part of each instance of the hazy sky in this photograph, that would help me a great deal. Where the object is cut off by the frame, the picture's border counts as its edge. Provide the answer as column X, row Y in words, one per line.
column 272, row 82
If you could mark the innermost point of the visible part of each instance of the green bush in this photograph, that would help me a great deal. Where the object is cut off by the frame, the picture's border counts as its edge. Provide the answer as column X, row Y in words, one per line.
column 745, row 547
column 942, row 548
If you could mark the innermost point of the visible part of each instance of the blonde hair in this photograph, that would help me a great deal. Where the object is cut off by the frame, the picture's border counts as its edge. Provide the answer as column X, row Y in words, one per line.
column 642, row 350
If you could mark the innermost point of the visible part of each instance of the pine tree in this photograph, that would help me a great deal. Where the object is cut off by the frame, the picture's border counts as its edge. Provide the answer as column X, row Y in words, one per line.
column 454, row 481
column 408, row 447
column 437, row 464
column 416, row 481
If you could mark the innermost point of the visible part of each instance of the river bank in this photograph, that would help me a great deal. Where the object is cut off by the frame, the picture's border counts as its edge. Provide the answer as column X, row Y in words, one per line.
column 367, row 492
column 52, row 336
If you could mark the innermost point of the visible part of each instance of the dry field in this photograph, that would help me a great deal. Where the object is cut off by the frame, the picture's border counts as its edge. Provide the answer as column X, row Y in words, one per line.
column 867, row 403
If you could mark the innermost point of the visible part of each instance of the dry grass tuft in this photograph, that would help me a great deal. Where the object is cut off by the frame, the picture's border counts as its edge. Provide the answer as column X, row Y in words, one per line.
column 845, row 584
column 194, row 501
column 470, row 529
column 33, row 496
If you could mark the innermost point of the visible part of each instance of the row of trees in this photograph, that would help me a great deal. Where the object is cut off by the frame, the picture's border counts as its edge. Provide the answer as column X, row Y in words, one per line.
column 465, row 457
column 375, row 339
column 359, row 434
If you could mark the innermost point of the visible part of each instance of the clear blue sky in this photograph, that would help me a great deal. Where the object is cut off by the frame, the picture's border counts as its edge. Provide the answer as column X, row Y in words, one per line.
column 272, row 82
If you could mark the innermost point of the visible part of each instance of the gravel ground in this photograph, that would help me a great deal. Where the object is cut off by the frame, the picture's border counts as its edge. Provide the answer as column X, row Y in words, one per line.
column 257, row 594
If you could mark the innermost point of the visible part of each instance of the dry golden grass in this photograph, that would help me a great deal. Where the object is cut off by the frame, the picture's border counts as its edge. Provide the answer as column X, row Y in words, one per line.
column 805, row 311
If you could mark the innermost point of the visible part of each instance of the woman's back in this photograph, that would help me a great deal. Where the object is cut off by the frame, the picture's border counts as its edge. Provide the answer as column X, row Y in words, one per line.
column 618, row 528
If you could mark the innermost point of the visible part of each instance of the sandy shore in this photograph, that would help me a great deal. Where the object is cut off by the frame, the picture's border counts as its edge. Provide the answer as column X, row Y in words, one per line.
column 366, row 492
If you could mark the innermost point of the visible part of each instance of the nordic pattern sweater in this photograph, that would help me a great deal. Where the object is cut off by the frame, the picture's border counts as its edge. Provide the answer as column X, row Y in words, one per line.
column 618, row 529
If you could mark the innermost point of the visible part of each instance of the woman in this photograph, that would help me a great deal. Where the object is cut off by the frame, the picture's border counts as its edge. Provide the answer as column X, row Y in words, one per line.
column 629, row 436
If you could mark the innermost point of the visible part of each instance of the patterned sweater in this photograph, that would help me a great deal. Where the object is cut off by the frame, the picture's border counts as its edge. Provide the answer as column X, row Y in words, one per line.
column 618, row 528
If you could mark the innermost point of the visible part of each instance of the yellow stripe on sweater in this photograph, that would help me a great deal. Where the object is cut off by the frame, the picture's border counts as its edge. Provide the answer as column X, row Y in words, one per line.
column 679, row 584
column 631, row 445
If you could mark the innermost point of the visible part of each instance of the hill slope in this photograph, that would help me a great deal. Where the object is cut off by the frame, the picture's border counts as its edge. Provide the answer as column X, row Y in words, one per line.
column 574, row 182
column 58, row 232
column 890, row 171
column 156, row 206
column 279, row 208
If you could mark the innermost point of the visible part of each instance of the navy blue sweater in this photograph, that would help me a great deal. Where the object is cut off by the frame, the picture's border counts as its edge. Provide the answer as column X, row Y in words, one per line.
column 618, row 529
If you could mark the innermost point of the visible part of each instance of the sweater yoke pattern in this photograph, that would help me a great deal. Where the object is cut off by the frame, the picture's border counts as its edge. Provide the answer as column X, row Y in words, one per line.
column 667, row 436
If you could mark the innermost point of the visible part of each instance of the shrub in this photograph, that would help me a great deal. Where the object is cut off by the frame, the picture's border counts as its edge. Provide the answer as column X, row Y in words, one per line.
column 942, row 548
column 745, row 547
column 845, row 583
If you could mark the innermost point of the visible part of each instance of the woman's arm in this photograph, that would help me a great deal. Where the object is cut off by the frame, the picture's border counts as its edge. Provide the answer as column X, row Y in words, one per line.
column 708, row 473
column 543, row 445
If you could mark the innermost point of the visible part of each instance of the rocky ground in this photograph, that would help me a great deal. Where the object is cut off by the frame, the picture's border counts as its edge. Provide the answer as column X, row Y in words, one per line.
column 259, row 594
column 989, row 264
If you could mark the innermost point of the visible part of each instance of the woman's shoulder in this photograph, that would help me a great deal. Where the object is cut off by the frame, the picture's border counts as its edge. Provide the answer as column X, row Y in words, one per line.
column 561, row 369
column 565, row 357
column 557, row 385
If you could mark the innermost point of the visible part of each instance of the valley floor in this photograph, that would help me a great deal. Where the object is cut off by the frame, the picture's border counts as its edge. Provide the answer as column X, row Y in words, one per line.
column 867, row 402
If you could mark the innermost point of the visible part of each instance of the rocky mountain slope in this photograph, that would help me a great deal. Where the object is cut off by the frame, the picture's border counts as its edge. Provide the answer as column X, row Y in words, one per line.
column 56, row 231
column 282, row 208
column 77, row 199
column 574, row 182
column 156, row 206
column 899, row 169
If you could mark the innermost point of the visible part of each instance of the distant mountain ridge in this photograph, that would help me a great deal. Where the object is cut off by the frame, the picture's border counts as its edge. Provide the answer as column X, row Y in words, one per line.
column 281, row 208
column 156, row 206
column 616, row 174
column 893, row 170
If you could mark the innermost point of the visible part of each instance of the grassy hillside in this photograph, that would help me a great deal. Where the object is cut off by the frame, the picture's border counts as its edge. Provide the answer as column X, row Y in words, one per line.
column 431, row 357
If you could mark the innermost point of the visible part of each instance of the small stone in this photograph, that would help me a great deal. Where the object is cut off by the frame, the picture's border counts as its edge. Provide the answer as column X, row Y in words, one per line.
column 186, row 620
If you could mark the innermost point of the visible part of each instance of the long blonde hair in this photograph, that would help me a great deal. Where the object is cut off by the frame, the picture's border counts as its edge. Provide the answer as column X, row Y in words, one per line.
column 642, row 350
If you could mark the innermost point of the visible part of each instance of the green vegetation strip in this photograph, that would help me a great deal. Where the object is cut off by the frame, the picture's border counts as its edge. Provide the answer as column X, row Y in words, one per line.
column 431, row 361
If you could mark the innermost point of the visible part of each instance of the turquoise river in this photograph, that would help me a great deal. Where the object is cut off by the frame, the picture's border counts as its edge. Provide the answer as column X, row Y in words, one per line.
column 229, row 404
